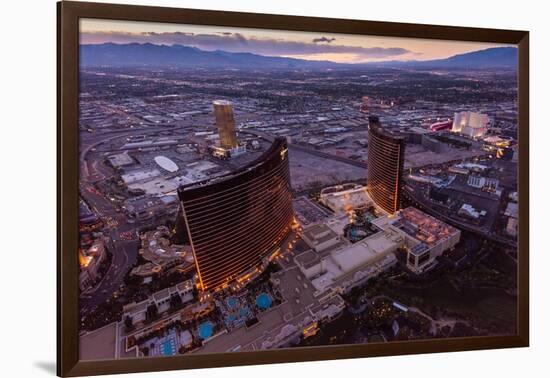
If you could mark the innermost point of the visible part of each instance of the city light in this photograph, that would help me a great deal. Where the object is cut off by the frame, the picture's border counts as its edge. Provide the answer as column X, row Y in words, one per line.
column 249, row 207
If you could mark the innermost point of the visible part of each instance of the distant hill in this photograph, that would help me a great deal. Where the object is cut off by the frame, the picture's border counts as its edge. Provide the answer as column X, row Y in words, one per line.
column 496, row 57
column 148, row 54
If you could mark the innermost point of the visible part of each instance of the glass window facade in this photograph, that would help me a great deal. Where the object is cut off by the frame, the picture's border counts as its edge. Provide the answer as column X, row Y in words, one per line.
column 234, row 221
column 386, row 156
column 223, row 110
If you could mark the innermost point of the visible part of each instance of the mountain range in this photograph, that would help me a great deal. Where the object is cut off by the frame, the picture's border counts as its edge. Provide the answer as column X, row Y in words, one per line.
column 496, row 57
column 148, row 54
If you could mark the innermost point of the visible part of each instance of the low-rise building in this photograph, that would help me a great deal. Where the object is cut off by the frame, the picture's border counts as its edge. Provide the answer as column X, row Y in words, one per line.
column 512, row 213
column 120, row 160
column 90, row 260
column 512, row 227
column 320, row 237
column 161, row 254
column 425, row 237
column 471, row 213
column 335, row 264
column 347, row 265
column 150, row 208
column 345, row 197
column 511, row 210
column 484, row 183
column 163, row 301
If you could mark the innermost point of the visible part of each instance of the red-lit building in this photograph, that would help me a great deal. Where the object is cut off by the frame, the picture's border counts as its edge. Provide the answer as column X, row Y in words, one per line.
column 442, row 125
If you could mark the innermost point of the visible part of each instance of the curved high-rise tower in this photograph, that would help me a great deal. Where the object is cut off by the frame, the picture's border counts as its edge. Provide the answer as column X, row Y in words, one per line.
column 386, row 156
column 235, row 221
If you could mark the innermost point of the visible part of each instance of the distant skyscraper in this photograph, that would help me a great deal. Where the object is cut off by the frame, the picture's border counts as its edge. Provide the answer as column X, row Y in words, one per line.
column 365, row 104
column 474, row 125
column 385, row 166
column 225, row 121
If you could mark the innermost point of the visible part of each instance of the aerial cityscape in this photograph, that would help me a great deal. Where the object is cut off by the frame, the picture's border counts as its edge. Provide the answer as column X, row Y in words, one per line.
column 245, row 189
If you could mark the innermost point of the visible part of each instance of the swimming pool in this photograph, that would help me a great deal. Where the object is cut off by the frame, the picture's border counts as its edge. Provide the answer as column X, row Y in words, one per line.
column 168, row 348
column 264, row 301
column 206, row 330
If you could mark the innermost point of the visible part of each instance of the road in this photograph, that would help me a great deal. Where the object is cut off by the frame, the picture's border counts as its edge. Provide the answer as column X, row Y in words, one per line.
column 88, row 169
column 311, row 151
column 124, row 251
column 421, row 203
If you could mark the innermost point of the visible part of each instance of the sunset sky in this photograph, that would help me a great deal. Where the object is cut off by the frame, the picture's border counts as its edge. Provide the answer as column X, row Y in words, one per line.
column 342, row 48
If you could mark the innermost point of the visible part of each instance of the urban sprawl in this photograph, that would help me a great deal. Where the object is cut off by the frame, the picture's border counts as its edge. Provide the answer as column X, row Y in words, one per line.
column 230, row 210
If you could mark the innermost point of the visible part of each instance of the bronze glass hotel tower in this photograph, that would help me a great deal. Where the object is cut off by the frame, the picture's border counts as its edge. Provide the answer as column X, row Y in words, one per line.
column 223, row 110
column 234, row 222
column 385, row 166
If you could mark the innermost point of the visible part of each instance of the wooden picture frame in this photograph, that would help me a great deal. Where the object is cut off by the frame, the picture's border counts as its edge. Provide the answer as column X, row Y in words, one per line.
column 69, row 14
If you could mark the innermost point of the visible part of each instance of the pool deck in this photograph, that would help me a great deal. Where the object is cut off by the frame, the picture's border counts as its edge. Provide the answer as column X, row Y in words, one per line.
column 297, row 309
column 276, row 326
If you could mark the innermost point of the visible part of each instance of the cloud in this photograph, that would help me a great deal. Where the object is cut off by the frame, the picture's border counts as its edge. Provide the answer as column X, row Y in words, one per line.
column 323, row 39
column 236, row 42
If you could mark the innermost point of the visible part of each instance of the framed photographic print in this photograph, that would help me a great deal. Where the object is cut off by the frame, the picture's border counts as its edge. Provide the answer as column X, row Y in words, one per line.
column 239, row 188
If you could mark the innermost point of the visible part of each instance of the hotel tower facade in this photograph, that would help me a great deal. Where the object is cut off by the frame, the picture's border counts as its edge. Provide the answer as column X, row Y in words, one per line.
column 223, row 111
column 235, row 222
column 386, row 155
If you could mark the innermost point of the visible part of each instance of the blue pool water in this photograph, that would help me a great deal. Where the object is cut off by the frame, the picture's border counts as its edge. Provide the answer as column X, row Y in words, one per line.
column 231, row 302
column 168, row 348
column 264, row 301
column 206, row 330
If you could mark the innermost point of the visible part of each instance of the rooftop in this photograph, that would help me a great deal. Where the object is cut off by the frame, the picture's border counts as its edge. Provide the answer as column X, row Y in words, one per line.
column 319, row 233
column 308, row 259
column 422, row 226
column 159, row 252
column 345, row 197
column 344, row 263
column 166, row 163
column 365, row 251
column 119, row 160
column 512, row 210
column 100, row 344
column 221, row 102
